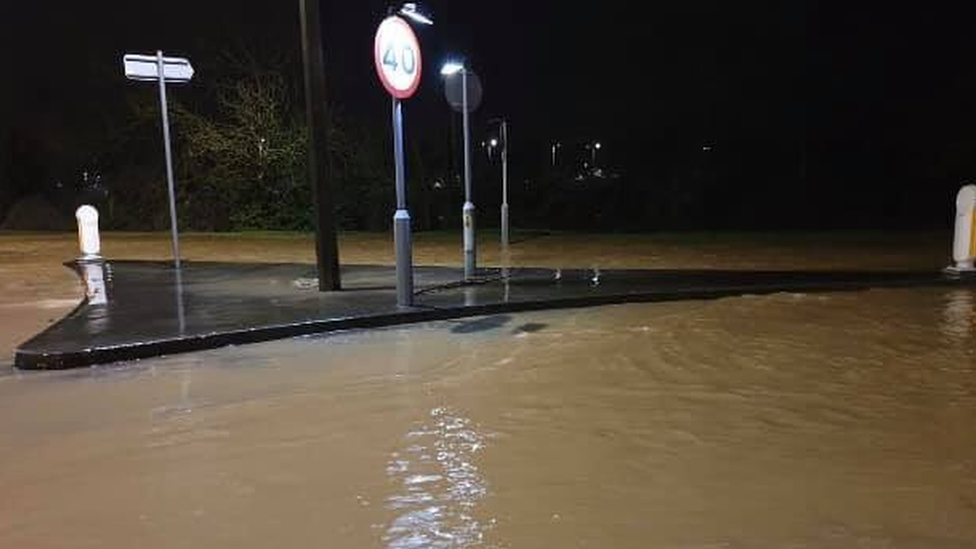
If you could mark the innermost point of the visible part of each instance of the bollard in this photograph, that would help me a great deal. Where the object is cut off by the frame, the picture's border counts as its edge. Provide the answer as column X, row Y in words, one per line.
column 964, row 244
column 88, row 239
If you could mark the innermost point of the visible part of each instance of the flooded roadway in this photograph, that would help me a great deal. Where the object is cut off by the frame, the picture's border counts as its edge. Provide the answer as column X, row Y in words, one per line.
column 831, row 420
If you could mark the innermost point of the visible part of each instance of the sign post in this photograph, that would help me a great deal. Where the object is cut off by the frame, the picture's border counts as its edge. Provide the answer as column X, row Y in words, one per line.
column 399, row 67
column 163, row 69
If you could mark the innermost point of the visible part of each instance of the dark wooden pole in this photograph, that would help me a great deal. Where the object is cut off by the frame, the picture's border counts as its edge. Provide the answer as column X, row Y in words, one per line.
column 319, row 165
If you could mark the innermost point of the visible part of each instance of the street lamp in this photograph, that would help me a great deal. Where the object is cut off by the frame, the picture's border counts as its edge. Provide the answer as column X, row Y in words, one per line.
column 452, row 68
column 555, row 149
column 409, row 10
column 503, row 131
column 596, row 147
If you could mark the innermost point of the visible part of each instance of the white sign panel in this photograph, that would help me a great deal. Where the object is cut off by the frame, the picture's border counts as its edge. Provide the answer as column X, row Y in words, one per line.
column 146, row 67
column 397, row 57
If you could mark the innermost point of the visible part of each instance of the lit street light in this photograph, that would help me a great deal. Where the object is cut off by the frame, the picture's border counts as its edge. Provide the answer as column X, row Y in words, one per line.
column 503, row 131
column 409, row 10
column 555, row 149
column 449, row 69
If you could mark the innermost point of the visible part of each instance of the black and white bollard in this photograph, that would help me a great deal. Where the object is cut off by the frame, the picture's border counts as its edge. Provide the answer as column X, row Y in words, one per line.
column 964, row 242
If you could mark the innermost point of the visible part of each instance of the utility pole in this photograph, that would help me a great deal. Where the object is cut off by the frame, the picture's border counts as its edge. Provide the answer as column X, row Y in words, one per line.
column 319, row 164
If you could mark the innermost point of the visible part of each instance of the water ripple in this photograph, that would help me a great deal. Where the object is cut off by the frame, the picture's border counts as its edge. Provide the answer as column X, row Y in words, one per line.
column 439, row 485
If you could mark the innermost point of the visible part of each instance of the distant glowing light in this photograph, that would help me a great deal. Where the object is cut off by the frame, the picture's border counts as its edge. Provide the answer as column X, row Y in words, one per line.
column 598, row 145
column 493, row 142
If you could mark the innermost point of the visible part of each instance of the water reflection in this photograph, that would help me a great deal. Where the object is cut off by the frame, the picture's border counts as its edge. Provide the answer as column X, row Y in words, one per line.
column 95, row 289
column 958, row 315
column 439, row 485
column 180, row 314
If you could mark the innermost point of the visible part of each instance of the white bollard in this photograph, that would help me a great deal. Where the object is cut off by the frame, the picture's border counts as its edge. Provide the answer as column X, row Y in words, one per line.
column 88, row 239
column 964, row 243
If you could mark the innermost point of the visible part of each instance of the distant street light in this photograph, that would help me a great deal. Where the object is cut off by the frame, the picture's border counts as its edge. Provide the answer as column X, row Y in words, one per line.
column 555, row 149
column 503, row 131
column 593, row 150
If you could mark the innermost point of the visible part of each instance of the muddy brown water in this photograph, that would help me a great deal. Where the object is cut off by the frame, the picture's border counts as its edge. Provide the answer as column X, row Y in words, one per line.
column 829, row 420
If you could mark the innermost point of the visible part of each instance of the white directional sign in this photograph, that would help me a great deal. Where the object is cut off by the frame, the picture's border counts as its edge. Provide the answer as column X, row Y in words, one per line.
column 163, row 70
column 397, row 56
column 146, row 68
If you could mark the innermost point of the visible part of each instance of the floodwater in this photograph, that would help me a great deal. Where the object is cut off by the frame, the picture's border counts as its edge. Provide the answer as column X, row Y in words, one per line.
column 36, row 290
column 831, row 420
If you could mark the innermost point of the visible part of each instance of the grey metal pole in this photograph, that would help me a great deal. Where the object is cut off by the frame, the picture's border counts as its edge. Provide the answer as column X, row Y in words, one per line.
column 164, row 108
column 467, row 212
column 505, row 185
column 401, row 219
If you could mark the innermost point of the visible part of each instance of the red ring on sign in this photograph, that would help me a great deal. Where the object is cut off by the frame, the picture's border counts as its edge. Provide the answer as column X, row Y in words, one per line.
column 378, row 59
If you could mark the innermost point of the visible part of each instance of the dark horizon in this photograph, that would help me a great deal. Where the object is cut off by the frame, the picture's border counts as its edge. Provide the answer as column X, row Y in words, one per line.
column 836, row 110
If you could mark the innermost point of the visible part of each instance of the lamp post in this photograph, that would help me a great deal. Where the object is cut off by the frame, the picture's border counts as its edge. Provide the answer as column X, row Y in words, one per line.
column 555, row 150
column 593, row 149
column 467, row 211
column 502, row 141
column 505, row 185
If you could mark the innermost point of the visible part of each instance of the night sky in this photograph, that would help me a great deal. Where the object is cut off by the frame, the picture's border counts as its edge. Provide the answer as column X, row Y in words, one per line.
column 868, row 97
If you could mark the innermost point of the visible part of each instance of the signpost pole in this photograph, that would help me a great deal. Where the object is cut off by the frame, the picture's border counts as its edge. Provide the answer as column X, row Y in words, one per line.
column 504, row 185
column 399, row 66
column 401, row 219
column 467, row 212
column 164, row 109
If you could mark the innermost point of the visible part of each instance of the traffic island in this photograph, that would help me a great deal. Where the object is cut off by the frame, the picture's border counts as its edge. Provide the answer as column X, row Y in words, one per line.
column 137, row 310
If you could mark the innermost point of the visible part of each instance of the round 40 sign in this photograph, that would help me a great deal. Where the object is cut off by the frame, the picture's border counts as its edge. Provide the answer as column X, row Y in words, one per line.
column 397, row 55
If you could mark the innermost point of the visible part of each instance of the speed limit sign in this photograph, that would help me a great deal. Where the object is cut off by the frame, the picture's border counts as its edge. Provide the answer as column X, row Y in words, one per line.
column 397, row 56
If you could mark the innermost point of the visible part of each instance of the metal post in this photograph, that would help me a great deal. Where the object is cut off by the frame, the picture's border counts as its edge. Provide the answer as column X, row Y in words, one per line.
column 401, row 219
column 319, row 166
column 504, row 185
column 164, row 109
column 467, row 212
